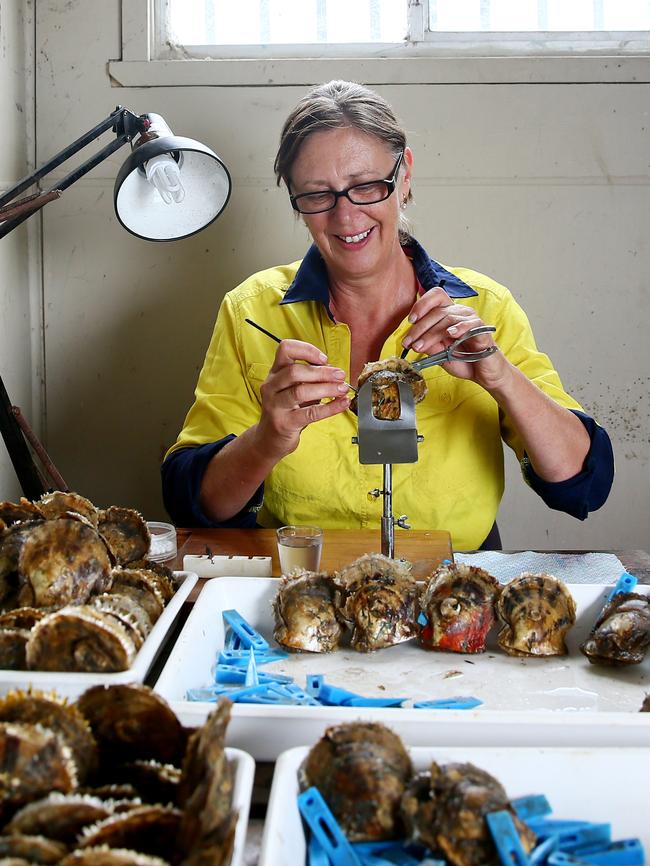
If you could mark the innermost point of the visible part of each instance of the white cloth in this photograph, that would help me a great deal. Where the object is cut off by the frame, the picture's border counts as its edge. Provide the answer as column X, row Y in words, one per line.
column 603, row 568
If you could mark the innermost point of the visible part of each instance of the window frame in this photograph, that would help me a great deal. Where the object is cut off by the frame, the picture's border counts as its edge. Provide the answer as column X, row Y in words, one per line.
column 429, row 58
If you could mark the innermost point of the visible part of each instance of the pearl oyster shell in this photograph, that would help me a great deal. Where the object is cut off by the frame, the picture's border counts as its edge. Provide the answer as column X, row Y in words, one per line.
column 305, row 614
column 102, row 855
column 59, row 504
column 385, row 375
column 125, row 532
column 459, row 603
column 621, row 634
column 34, row 849
column 59, row 816
column 149, row 829
column 537, row 610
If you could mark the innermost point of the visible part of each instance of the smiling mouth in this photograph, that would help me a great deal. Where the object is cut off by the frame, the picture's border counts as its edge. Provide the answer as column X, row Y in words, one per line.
column 354, row 239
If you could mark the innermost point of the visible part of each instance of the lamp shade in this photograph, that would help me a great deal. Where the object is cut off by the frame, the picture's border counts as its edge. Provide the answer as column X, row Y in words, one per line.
column 205, row 181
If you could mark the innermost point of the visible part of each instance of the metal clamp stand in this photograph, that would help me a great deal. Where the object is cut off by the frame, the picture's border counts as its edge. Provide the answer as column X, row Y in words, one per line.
column 387, row 442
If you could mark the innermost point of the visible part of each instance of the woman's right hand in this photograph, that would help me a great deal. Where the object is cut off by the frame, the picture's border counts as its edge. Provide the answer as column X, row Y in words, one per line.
column 292, row 395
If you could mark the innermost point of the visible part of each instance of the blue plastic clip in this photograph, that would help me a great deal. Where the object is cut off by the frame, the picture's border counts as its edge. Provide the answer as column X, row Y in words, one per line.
column 422, row 618
column 360, row 701
column 457, row 703
column 545, row 827
column 569, row 840
column 209, row 695
column 313, row 683
column 540, row 853
column 239, row 657
column 622, row 852
column 506, row 838
column 237, row 676
column 625, row 583
column 248, row 637
column 325, row 828
column 251, row 672
column 316, row 854
column 533, row 806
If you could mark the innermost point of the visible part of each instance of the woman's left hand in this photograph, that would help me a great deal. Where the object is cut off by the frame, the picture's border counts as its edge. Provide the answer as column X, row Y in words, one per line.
column 438, row 322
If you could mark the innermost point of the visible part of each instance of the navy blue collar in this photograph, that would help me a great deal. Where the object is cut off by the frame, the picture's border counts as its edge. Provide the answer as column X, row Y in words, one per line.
column 311, row 282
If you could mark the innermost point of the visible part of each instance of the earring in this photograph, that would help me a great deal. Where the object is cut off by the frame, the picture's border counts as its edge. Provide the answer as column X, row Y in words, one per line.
column 404, row 200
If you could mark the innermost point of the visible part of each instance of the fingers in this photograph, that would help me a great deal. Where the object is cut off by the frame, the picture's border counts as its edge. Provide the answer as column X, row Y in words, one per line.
column 430, row 332
column 290, row 351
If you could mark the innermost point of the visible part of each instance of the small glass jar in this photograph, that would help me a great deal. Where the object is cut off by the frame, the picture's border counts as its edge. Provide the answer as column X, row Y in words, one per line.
column 163, row 541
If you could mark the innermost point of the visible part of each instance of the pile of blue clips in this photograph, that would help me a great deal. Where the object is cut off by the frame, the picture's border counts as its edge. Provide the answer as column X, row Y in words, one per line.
column 237, row 677
column 559, row 842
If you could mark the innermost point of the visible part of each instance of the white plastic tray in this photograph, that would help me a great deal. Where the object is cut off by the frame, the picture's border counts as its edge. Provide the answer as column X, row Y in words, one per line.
column 71, row 685
column 244, row 769
column 556, row 701
column 602, row 784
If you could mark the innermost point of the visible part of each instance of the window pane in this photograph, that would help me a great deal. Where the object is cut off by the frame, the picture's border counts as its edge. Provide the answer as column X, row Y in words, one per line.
column 529, row 15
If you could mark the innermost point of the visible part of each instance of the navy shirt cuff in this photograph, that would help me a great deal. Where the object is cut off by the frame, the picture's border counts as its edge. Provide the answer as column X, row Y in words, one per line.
column 182, row 473
column 587, row 490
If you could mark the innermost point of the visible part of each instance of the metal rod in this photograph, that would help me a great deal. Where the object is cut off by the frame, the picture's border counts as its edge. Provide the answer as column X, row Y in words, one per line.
column 28, row 205
column 26, row 470
column 37, row 445
column 387, row 522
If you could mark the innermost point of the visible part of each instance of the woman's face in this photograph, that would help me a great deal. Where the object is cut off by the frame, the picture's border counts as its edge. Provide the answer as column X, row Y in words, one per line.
column 355, row 240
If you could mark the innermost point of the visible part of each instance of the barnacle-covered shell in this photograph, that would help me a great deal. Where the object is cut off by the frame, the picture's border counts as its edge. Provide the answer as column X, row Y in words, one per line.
column 621, row 634
column 126, row 609
column 50, row 711
column 418, row 810
column 305, row 614
column 463, row 796
column 22, row 617
column 13, row 642
column 102, row 855
column 458, row 603
column 536, row 610
column 58, row 503
column 142, row 586
column 63, row 561
column 205, row 792
column 125, row 532
column 33, row 761
column 80, row 638
column 59, row 816
column 377, row 597
column 131, row 722
column 34, row 849
column 149, row 829
column 385, row 375
column 361, row 769
column 14, row 512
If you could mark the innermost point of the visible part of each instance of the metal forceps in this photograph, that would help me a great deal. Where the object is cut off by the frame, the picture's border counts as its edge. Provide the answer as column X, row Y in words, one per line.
column 451, row 353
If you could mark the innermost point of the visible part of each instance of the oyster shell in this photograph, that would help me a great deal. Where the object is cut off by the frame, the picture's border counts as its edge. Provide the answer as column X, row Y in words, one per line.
column 11, row 581
column 14, row 512
column 459, row 603
column 149, row 829
column 377, row 597
column 385, row 375
column 79, row 638
column 305, row 614
column 621, row 634
column 56, row 714
column 205, row 793
column 126, row 609
column 152, row 781
column 361, row 770
column 142, row 586
column 34, row 849
column 463, row 795
column 125, row 532
column 33, row 761
column 62, row 561
column 58, row 503
column 102, row 855
column 22, row 617
column 59, row 816
column 536, row 610
column 131, row 722
column 13, row 642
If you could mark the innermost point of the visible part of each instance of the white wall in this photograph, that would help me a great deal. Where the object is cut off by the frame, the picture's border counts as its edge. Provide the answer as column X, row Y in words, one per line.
column 542, row 186
column 19, row 341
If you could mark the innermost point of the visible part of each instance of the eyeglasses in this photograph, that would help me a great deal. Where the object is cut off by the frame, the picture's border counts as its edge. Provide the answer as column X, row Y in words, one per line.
column 360, row 193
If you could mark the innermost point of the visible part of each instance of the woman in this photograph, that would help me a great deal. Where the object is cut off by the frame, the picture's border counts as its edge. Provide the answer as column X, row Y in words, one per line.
column 269, row 437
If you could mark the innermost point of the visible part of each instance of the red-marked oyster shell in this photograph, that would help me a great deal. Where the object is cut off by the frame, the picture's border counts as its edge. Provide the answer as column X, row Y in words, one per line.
column 536, row 610
column 305, row 613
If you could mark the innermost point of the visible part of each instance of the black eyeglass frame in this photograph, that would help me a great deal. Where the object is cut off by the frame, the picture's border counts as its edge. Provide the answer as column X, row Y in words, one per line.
column 390, row 181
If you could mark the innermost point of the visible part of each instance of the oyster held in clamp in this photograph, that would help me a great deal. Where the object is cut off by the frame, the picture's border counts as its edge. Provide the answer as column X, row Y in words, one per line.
column 125, row 532
column 377, row 597
column 80, row 638
column 621, row 634
column 459, row 603
column 305, row 614
column 361, row 769
column 537, row 610
column 62, row 561
column 385, row 375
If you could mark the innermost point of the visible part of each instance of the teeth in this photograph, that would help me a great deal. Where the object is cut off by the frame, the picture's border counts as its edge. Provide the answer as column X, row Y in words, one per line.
column 354, row 239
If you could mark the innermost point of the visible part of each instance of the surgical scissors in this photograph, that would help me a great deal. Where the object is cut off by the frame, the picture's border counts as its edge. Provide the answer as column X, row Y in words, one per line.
column 451, row 353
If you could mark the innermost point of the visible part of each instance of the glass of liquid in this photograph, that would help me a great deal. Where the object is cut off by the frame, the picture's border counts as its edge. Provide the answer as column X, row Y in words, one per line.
column 299, row 547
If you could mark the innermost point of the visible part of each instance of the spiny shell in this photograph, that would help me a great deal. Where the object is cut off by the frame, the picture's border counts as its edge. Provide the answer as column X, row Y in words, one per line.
column 142, row 587
column 125, row 532
column 58, row 503
column 14, row 512
column 34, row 849
column 305, row 614
column 536, row 610
column 361, row 769
column 56, row 714
column 458, row 602
column 621, row 634
column 80, row 638
column 385, row 393
column 22, row 617
column 150, row 829
column 58, row 816
column 102, row 855
column 152, row 781
column 127, row 610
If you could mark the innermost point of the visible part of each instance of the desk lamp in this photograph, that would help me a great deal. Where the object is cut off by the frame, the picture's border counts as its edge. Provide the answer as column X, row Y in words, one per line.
column 168, row 188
